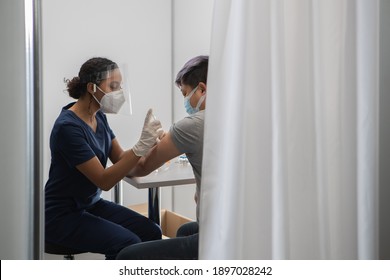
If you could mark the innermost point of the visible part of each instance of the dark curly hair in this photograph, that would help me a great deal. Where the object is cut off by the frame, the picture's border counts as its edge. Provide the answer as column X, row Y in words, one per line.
column 94, row 71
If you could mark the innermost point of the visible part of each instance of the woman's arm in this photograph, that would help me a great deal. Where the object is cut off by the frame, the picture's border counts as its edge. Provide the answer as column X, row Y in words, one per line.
column 116, row 151
column 123, row 161
column 106, row 178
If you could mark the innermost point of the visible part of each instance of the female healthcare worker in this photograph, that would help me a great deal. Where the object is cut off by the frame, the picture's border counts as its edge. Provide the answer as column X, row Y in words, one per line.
column 81, row 142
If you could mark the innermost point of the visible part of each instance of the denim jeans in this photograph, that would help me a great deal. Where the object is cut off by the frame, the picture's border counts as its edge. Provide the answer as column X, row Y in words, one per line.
column 182, row 247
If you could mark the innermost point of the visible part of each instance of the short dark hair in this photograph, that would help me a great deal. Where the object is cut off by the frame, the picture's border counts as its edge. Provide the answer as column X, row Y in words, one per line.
column 193, row 72
column 94, row 70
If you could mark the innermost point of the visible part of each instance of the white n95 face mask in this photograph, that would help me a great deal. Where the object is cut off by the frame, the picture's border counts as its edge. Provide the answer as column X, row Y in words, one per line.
column 111, row 102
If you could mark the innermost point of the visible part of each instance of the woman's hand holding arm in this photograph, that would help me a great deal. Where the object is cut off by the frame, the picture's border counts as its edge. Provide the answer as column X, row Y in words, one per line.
column 123, row 161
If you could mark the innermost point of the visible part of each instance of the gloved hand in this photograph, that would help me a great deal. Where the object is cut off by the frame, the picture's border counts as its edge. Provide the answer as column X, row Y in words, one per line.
column 161, row 135
column 150, row 132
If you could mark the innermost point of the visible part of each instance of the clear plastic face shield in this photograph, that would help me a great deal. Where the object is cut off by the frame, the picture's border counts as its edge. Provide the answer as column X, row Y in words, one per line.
column 127, row 108
column 114, row 80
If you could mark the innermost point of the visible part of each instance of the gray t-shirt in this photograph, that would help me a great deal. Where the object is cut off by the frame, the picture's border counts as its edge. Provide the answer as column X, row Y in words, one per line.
column 187, row 135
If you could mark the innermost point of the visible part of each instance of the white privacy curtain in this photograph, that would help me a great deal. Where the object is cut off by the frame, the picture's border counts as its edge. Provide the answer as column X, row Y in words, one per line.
column 290, row 166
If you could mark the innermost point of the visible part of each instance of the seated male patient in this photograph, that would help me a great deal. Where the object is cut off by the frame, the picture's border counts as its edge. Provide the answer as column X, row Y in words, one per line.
column 184, row 136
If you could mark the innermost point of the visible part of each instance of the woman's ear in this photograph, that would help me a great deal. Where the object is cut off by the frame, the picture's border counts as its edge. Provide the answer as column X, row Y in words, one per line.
column 91, row 87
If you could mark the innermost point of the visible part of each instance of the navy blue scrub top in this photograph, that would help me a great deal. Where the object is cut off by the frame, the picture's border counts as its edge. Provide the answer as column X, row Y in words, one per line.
column 73, row 142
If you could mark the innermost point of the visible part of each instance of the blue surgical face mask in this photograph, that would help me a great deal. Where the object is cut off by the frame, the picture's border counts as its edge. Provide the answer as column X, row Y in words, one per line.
column 187, row 104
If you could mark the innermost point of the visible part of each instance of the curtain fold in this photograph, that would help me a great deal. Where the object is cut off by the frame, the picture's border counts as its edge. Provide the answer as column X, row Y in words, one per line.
column 367, row 117
column 290, row 153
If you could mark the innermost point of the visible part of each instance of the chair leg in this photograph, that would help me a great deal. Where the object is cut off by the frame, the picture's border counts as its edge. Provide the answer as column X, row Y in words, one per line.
column 69, row 257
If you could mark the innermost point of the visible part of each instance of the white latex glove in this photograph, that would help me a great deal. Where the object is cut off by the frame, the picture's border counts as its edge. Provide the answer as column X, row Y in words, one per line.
column 150, row 132
column 161, row 135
